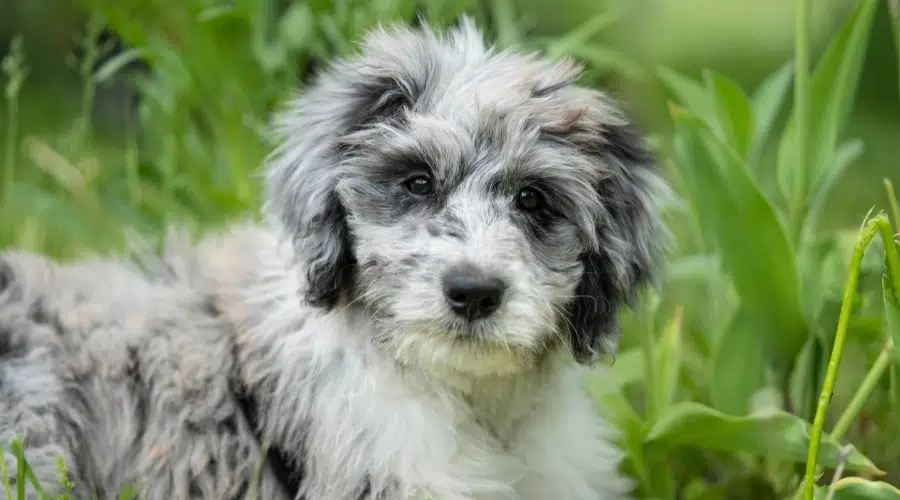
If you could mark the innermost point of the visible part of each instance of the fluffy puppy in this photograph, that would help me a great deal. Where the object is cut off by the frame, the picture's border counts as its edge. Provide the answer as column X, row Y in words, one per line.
column 447, row 227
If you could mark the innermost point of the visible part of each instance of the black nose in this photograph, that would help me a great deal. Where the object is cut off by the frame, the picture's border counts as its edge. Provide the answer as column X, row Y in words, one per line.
column 473, row 294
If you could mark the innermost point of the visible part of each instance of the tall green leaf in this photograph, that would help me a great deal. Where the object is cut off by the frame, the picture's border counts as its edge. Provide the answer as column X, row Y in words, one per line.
column 735, row 118
column 668, row 362
column 766, row 102
column 773, row 433
column 756, row 253
column 738, row 366
column 833, row 89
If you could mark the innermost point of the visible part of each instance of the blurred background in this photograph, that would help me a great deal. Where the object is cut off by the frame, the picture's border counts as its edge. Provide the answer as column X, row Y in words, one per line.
column 123, row 115
column 743, row 39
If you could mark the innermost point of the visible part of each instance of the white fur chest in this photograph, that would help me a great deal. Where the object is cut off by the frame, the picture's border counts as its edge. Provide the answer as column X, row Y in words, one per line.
column 411, row 436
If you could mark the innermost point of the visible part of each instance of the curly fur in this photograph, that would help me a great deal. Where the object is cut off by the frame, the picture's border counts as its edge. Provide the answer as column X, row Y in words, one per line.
column 330, row 315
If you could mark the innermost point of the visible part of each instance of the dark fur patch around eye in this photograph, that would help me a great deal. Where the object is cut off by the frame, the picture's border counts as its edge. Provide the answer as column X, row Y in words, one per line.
column 536, row 222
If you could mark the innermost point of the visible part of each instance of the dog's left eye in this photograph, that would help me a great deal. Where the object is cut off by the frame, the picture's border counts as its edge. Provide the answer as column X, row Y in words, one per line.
column 530, row 199
column 420, row 186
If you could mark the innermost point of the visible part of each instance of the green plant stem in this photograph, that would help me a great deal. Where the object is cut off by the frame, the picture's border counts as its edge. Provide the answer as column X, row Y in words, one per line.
column 892, row 200
column 862, row 394
column 892, row 255
column 801, row 114
column 7, row 487
column 868, row 232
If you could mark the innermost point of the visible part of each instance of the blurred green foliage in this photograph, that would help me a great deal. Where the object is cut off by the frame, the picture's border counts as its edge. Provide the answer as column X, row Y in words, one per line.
column 717, row 384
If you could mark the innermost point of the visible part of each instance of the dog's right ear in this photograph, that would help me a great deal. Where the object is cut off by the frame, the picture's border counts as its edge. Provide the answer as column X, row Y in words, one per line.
column 310, row 159
column 301, row 201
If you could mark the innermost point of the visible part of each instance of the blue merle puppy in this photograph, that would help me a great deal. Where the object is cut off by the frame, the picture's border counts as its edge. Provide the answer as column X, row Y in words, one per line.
column 449, row 232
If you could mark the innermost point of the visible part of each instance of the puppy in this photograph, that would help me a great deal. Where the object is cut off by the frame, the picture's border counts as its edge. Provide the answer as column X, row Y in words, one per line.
column 447, row 226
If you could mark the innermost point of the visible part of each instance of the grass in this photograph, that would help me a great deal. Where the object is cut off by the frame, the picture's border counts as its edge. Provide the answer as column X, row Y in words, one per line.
column 764, row 367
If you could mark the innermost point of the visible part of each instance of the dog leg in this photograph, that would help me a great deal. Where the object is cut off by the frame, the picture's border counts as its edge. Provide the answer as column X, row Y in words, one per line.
column 30, row 408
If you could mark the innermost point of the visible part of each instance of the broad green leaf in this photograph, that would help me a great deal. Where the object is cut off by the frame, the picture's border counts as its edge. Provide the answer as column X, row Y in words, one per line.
column 737, row 366
column 766, row 103
column 857, row 488
column 774, row 433
column 735, row 118
column 833, row 86
column 733, row 212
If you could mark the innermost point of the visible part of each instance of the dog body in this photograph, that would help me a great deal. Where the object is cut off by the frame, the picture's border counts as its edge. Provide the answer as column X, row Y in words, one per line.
column 446, row 227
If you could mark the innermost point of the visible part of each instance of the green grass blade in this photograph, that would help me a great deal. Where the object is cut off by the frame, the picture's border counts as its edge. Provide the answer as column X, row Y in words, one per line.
column 25, row 473
column 4, row 469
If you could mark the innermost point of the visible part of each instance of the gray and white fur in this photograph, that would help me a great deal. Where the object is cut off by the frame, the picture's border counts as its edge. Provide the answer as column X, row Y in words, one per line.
column 447, row 226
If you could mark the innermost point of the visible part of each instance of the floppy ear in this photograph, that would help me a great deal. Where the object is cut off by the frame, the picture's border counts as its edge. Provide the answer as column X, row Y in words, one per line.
column 308, row 162
column 301, row 200
column 631, row 236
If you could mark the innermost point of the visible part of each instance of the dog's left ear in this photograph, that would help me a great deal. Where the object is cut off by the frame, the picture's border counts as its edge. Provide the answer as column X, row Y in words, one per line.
column 631, row 234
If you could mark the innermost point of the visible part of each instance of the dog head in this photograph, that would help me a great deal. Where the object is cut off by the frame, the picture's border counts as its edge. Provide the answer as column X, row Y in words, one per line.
column 480, row 205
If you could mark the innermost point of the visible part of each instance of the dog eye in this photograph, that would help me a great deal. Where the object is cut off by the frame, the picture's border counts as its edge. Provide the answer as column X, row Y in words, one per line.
column 420, row 186
column 530, row 199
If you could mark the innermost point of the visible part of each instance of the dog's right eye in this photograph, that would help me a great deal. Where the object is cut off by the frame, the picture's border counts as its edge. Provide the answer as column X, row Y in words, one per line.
column 420, row 186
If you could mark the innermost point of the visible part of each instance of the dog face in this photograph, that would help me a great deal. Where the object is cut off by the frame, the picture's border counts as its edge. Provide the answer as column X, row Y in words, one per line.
column 481, row 206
